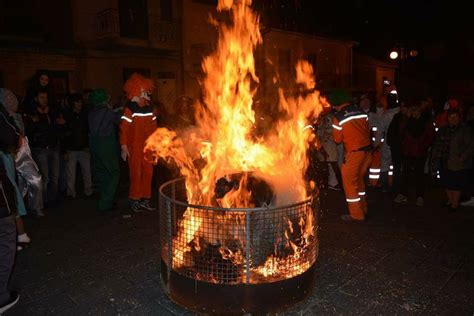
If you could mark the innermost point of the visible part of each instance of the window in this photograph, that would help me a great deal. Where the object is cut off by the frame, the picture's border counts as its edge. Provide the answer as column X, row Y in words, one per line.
column 166, row 10
column 133, row 18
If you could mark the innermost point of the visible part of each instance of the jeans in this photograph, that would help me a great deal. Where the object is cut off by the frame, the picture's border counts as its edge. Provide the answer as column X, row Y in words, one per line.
column 7, row 254
column 83, row 157
column 48, row 164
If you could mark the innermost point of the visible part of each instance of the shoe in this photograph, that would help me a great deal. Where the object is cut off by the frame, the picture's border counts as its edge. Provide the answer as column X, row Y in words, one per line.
column 146, row 204
column 420, row 201
column 400, row 198
column 19, row 248
column 334, row 187
column 23, row 238
column 452, row 209
column 39, row 213
column 446, row 204
column 137, row 207
column 14, row 298
column 469, row 203
column 349, row 219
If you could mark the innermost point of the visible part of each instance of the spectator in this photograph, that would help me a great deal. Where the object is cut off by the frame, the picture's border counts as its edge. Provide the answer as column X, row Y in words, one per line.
column 394, row 141
column 470, row 123
column 7, row 158
column 30, row 181
column 8, row 208
column 328, row 152
column 103, row 123
column 417, row 134
column 452, row 155
column 442, row 118
column 138, row 123
column 85, row 99
column 76, row 144
column 39, row 83
column 43, row 131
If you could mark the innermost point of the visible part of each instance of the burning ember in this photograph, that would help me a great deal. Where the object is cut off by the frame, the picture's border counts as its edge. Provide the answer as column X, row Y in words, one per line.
column 227, row 165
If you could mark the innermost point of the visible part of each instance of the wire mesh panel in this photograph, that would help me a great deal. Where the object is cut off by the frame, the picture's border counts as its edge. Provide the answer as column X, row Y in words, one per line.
column 235, row 246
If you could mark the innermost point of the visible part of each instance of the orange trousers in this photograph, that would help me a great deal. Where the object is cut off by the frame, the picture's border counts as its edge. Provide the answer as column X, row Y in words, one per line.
column 141, row 174
column 353, row 172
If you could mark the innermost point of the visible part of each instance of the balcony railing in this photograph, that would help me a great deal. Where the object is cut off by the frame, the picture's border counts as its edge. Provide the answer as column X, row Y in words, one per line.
column 108, row 24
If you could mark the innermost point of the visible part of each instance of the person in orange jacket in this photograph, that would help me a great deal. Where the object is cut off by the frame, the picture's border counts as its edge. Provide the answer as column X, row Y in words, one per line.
column 138, row 122
column 351, row 127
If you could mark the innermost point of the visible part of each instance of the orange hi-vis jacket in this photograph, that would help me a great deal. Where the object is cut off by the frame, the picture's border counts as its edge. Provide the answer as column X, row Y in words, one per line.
column 351, row 127
column 137, row 124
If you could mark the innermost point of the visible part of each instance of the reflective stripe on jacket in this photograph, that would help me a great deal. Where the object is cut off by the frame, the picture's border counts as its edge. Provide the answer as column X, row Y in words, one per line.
column 351, row 127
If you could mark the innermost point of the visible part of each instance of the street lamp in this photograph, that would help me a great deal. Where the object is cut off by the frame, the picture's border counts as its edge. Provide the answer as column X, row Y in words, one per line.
column 400, row 54
column 394, row 54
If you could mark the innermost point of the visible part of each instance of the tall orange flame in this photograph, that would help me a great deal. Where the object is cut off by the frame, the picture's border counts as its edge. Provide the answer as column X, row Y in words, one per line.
column 223, row 141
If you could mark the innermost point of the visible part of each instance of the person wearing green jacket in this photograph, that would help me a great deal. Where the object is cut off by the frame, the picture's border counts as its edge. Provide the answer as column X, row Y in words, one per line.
column 103, row 123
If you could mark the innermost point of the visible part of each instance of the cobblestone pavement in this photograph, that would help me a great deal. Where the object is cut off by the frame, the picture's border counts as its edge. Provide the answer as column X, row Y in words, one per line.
column 404, row 260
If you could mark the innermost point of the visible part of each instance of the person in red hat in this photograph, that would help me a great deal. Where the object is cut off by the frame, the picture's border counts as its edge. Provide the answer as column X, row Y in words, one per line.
column 442, row 118
column 138, row 122
column 351, row 128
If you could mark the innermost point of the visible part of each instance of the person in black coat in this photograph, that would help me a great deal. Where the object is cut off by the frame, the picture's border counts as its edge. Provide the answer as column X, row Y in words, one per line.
column 9, row 138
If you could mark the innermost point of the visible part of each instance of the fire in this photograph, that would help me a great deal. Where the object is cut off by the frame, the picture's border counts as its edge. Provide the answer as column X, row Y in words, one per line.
column 223, row 143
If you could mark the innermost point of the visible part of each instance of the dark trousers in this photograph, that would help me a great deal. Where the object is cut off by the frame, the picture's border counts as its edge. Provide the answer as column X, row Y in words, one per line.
column 397, row 170
column 105, row 160
column 47, row 160
column 7, row 255
column 413, row 171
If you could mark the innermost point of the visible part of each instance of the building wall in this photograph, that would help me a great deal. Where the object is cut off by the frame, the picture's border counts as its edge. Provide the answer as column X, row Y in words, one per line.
column 281, row 51
column 98, row 69
column 332, row 58
column 19, row 66
column 198, row 40
column 106, row 71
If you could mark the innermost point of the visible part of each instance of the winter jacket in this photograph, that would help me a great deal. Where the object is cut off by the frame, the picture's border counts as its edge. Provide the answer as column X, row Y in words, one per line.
column 43, row 133
column 9, row 134
column 103, row 121
column 417, row 136
column 9, row 137
column 76, row 131
column 460, row 148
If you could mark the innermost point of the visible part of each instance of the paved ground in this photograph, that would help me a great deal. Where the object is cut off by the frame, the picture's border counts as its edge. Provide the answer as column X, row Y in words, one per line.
column 405, row 260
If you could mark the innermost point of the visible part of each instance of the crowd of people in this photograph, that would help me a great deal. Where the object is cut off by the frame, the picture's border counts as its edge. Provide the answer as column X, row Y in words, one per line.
column 381, row 142
column 42, row 142
column 394, row 146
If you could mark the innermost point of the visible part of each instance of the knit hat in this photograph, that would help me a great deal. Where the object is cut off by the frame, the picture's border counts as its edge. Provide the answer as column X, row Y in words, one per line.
column 98, row 96
column 338, row 97
column 9, row 100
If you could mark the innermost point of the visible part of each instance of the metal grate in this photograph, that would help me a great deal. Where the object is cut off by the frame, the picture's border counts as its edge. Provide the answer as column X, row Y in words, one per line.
column 235, row 246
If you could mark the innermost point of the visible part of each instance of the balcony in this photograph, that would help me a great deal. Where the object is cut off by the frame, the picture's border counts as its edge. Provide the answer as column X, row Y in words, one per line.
column 108, row 24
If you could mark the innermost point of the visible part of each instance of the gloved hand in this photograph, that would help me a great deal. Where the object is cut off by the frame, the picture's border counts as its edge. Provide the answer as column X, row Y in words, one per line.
column 124, row 152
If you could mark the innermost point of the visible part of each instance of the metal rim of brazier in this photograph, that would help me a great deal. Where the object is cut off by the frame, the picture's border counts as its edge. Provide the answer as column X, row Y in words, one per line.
column 207, row 281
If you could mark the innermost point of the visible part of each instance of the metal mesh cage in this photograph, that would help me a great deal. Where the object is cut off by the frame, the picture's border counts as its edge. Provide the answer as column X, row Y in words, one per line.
column 235, row 246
